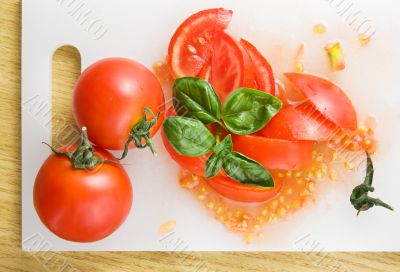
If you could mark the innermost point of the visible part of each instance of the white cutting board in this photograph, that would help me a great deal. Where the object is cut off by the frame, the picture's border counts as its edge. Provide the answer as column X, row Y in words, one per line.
column 141, row 30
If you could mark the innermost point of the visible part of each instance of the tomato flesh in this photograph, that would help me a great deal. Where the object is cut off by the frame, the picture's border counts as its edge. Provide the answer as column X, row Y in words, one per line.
column 275, row 153
column 298, row 123
column 327, row 98
column 263, row 72
column 227, row 65
column 190, row 45
column 82, row 205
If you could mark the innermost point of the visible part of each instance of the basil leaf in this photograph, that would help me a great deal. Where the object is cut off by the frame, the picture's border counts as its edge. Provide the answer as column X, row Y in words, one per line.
column 214, row 163
column 224, row 145
column 188, row 137
column 247, row 110
column 196, row 98
column 247, row 171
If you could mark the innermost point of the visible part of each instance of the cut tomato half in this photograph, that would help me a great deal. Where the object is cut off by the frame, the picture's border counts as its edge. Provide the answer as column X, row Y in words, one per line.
column 240, row 192
column 275, row 153
column 190, row 46
column 299, row 123
column 327, row 98
column 264, row 76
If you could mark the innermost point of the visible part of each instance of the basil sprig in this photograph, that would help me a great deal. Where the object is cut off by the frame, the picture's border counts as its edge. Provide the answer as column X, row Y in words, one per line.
column 245, row 111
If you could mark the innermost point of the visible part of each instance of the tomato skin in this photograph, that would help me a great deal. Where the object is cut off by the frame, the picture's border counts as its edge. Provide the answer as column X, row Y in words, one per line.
column 327, row 98
column 264, row 76
column 240, row 192
column 110, row 97
column 275, row 153
column 82, row 205
column 186, row 57
column 297, row 123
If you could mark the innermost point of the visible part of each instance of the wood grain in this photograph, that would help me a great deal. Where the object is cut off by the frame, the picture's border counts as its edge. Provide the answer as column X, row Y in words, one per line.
column 13, row 259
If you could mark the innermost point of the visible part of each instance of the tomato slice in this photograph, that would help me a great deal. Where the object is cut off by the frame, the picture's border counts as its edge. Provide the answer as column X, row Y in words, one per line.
column 240, row 192
column 262, row 69
column 275, row 153
column 298, row 123
column 190, row 46
column 327, row 98
column 227, row 65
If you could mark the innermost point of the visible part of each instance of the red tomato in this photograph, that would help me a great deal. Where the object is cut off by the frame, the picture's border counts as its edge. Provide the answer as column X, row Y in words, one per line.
column 82, row 205
column 244, row 193
column 190, row 46
column 298, row 123
column 110, row 97
column 327, row 98
column 263, row 72
column 227, row 65
column 275, row 153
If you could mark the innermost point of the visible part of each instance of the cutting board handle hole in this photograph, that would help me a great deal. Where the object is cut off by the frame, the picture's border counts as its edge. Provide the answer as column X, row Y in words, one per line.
column 66, row 68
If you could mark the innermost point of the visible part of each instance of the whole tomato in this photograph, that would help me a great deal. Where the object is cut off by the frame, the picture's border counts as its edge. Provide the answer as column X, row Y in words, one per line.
column 81, row 193
column 121, row 103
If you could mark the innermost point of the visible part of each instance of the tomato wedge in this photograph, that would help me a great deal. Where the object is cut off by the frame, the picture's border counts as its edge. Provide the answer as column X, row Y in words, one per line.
column 275, row 153
column 227, row 65
column 244, row 193
column 190, row 45
column 298, row 123
column 327, row 98
column 262, row 69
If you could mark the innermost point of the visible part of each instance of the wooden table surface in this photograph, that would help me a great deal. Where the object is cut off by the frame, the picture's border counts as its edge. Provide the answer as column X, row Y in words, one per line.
column 13, row 259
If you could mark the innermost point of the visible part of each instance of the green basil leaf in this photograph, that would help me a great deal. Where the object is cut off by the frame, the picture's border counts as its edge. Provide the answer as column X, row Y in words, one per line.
column 188, row 136
column 247, row 110
column 221, row 150
column 213, row 165
column 196, row 98
column 224, row 145
column 247, row 171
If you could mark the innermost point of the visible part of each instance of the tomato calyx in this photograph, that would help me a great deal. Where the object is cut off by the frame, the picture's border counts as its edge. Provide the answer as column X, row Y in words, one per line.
column 141, row 131
column 359, row 197
column 83, row 157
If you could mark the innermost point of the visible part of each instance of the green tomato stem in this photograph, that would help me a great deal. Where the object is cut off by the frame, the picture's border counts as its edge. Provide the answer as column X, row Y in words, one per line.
column 140, row 132
column 83, row 157
column 359, row 197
